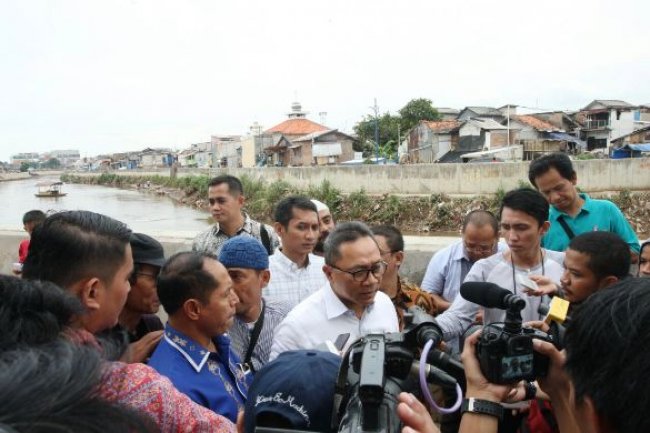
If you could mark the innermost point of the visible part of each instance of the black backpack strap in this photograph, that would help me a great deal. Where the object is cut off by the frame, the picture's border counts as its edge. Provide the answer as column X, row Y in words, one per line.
column 566, row 227
column 255, row 335
column 266, row 239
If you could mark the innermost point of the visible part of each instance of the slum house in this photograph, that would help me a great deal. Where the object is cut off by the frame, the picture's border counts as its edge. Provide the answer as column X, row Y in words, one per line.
column 322, row 148
column 279, row 150
column 606, row 119
column 633, row 145
column 539, row 137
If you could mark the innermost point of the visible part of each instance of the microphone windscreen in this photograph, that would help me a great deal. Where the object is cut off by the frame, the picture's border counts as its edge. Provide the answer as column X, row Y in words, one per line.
column 488, row 295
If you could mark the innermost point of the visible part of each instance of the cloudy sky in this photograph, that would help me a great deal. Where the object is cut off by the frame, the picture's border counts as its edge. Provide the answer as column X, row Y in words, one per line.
column 113, row 75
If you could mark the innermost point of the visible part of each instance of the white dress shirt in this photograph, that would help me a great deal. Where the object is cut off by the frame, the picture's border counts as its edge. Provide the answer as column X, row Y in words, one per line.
column 322, row 317
column 292, row 284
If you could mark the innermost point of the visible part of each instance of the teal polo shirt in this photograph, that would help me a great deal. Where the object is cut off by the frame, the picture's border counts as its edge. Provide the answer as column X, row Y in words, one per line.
column 595, row 215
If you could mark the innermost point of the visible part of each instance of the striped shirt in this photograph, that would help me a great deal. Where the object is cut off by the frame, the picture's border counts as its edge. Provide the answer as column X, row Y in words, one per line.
column 240, row 333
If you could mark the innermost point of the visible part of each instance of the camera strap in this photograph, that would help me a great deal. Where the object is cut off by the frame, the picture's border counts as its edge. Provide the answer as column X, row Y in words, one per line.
column 512, row 263
column 255, row 335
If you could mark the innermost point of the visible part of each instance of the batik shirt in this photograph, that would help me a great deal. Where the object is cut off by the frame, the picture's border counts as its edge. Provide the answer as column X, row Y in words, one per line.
column 212, row 379
column 410, row 295
column 213, row 239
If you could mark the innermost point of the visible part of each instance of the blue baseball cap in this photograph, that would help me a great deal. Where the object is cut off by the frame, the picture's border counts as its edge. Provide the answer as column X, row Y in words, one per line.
column 298, row 387
column 244, row 252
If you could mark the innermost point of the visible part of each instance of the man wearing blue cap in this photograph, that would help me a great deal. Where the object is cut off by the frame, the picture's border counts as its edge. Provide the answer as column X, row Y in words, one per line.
column 251, row 334
column 294, row 391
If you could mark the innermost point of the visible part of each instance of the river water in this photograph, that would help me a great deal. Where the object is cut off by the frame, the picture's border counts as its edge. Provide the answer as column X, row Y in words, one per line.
column 141, row 211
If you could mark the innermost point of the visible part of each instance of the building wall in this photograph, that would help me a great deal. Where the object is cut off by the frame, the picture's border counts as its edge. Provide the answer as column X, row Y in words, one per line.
column 470, row 179
column 248, row 152
column 498, row 139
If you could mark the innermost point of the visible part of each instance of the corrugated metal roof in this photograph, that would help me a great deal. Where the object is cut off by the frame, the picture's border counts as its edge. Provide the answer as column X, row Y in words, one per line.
column 487, row 124
column 485, row 111
column 313, row 135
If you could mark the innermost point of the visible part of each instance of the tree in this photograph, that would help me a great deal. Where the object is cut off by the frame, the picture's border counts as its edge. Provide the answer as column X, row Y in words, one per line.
column 365, row 131
column 416, row 110
column 52, row 163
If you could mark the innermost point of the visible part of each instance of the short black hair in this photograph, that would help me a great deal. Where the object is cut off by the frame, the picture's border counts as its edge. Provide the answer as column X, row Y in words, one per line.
column 235, row 186
column 528, row 201
column 558, row 160
column 183, row 277
column 606, row 344
column 609, row 255
column 393, row 236
column 284, row 209
column 34, row 312
column 54, row 388
column 34, row 216
column 479, row 218
column 72, row 245
column 343, row 233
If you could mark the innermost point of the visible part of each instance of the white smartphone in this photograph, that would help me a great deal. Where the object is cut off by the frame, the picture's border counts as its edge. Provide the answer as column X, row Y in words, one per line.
column 527, row 282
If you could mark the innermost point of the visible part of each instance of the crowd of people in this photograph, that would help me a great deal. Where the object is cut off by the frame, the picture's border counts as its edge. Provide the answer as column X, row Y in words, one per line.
column 260, row 314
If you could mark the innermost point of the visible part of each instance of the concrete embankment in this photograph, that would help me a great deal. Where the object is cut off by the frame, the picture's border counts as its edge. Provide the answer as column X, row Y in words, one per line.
column 13, row 176
column 419, row 250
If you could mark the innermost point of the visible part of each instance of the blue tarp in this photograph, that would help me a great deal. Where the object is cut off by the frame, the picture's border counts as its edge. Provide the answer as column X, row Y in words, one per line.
column 645, row 147
column 566, row 137
column 630, row 151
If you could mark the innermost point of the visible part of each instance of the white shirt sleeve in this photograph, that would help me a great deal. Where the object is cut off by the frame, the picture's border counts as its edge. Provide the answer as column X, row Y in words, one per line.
column 286, row 337
column 461, row 313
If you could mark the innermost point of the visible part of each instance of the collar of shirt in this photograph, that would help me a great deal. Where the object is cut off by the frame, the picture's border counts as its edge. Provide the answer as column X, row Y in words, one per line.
column 586, row 207
column 192, row 351
column 287, row 263
column 334, row 307
column 459, row 252
column 246, row 227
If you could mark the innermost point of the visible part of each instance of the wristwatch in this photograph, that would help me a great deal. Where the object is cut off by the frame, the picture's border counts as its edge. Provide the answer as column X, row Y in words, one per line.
column 531, row 391
column 485, row 407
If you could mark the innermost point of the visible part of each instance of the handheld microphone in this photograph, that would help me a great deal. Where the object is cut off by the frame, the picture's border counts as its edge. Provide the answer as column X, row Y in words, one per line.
column 490, row 295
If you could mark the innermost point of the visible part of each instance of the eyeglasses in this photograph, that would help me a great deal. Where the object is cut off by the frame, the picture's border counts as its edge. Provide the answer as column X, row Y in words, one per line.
column 479, row 248
column 361, row 275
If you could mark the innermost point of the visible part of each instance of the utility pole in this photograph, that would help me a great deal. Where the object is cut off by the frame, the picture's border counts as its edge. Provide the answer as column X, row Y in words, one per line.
column 375, row 108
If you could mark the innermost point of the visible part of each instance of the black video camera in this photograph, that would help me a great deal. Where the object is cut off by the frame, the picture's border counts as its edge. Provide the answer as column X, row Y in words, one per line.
column 378, row 367
column 505, row 350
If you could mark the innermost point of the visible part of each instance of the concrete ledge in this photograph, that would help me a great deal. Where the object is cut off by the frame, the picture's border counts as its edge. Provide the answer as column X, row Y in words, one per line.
column 419, row 249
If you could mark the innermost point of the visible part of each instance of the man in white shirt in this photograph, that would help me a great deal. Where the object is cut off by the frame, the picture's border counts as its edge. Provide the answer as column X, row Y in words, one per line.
column 449, row 266
column 350, row 302
column 296, row 273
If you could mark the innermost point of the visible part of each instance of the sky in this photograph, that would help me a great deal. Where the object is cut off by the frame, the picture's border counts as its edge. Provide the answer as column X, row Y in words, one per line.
column 122, row 75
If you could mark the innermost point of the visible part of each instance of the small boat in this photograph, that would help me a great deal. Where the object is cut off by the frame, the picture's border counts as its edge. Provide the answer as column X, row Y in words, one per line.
column 49, row 189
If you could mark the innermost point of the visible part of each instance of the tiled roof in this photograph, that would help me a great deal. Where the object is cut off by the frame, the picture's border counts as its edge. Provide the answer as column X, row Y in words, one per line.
column 300, row 126
column 443, row 125
column 536, row 123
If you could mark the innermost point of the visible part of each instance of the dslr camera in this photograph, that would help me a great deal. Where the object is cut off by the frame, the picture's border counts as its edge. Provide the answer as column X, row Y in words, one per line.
column 505, row 350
